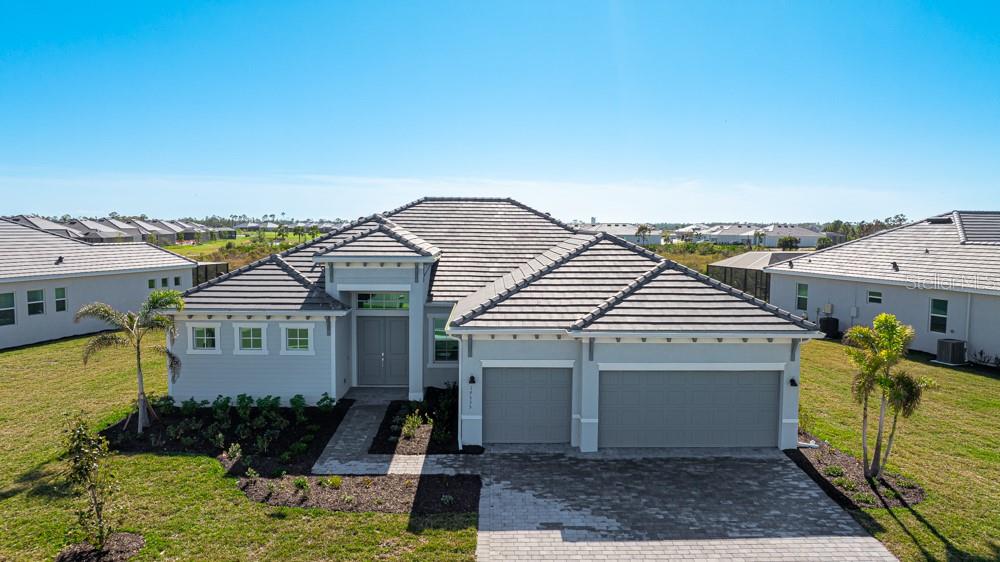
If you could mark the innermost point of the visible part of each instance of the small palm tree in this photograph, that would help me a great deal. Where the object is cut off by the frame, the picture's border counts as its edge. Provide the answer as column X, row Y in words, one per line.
column 876, row 351
column 131, row 329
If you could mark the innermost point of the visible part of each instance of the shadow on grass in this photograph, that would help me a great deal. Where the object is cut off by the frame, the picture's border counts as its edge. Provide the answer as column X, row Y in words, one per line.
column 443, row 522
column 43, row 480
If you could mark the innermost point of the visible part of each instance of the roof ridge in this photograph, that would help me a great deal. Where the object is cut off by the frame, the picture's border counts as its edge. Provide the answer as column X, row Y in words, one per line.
column 612, row 301
column 391, row 229
column 956, row 217
column 500, row 296
column 545, row 216
column 290, row 269
column 510, row 200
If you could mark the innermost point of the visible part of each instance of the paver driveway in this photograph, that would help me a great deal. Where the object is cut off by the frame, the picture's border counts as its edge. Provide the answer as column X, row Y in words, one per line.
column 628, row 504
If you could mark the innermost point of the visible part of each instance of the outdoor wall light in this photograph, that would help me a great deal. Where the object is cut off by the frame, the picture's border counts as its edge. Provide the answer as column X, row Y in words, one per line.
column 472, row 379
column 793, row 382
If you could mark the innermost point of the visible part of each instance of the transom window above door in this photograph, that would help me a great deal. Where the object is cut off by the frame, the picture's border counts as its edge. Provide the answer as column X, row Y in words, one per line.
column 384, row 301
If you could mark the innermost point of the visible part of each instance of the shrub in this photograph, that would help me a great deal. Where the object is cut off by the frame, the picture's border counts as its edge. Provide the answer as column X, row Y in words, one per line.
column 412, row 424
column 219, row 440
column 334, row 482
column 447, row 499
column 86, row 453
column 220, row 411
column 326, row 403
column 262, row 443
column 234, row 451
column 190, row 406
column 833, row 471
column 252, row 475
column 297, row 449
column 845, row 483
column 298, row 404
column 301, row 483
column 864, row 497
column 164, row 404
column 244, row 406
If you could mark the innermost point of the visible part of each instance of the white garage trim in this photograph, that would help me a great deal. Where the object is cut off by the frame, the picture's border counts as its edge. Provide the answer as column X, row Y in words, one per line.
column 529, row 363
column 691, row 366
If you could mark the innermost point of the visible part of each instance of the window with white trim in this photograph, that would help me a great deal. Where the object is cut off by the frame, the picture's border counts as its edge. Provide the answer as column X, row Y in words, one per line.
column 875, row 297
column 36, row 302
column 61, row 302
column 177, row 281
column 203, row 338
column 7, row 312
column 297, row 339
column 801, row 296
column 251, row 339
column 939, row 316
column 445, row 346
column 151, row 284
column 163, row 282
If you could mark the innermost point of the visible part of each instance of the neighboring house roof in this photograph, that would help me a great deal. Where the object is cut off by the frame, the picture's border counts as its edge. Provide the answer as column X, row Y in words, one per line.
column 26, row 252
column 780, row 230
column 601, row 283
column 94, row 229
column 121, row 225
column 692, row 228
column 151, row 228
column 616, row 228
column 757, row 260
column 45, row 224
column 171, row 227
column 958, row 251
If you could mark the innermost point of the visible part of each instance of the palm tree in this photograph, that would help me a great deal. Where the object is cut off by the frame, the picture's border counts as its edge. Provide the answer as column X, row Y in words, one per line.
column 642, row 233
column 876, row 351
column 131, row 329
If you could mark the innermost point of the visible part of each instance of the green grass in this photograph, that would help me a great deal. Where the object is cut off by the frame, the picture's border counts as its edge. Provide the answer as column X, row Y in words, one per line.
column 950, row 446
column 207, row 248
column 185, row 506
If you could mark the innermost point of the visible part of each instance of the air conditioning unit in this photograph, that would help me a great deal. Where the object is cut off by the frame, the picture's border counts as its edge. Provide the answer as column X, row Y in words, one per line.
column 950, row 352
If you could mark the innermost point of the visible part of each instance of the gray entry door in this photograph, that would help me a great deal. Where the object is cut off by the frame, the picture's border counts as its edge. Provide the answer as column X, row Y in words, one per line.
column 383, row 350
column 527, row 405
column 677, row 409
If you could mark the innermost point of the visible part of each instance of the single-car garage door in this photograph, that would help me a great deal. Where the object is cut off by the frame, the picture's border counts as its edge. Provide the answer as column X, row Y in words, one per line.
column 682, row 409
column 522, row 405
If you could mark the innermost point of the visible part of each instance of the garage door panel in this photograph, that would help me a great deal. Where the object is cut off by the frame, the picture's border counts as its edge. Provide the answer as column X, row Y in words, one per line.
column 522, row 405
column 682, row 409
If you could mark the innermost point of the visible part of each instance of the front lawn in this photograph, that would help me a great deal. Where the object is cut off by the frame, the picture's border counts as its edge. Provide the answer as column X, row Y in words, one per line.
column 184, row 505
column 951, row 446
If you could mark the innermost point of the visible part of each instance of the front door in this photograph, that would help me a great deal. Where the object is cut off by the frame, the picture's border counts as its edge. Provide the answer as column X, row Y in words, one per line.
column 383, row 350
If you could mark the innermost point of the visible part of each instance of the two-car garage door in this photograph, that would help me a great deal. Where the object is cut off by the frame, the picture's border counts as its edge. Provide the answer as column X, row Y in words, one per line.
column 688, row 409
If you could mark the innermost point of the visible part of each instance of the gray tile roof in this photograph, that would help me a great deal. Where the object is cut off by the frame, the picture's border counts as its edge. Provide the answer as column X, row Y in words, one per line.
column 757, row 260
column 959, row 250
column 600, row 283
column 381, row 237
column 26, row 252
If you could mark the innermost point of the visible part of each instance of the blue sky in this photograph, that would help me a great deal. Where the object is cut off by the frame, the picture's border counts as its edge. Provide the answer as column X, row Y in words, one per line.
column 626, row 110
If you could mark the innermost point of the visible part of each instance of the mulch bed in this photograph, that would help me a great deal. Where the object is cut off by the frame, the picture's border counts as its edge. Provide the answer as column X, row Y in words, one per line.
column 842, row 477
column 155, row 439
column 437, row 438
column 393, row 493
column 117, row 548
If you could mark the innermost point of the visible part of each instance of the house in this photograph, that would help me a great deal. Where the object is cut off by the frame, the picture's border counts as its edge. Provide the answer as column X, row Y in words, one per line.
column 268, row 226
column 627, row 231
column 98, row 232
column 45, row 278
column 154, row 233
column 775, row 232
column 552, row 334
column 768, row 236
column 224, row 233
column 689, row 232
column 247, row 226
column 133, row 232
column 746, row 271
column 45, row 224
column 183, row 233
column 938, row 275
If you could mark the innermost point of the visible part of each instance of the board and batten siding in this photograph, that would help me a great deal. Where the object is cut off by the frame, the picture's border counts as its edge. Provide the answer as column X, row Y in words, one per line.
column 123, row 291
column 911, row 306
column 204, row 376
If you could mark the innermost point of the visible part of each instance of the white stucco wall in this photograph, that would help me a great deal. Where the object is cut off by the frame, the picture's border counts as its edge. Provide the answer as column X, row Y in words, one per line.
column 910, row 305
column 122, row 291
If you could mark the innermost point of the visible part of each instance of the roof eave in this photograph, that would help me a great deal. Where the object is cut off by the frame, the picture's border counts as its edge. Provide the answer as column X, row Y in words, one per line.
column 325, row 258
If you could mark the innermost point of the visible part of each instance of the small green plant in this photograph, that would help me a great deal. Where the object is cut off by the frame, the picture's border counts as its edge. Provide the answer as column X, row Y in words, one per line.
column 244, row 406
column 368, row 482
column 263, row 442
column 833, row 471
column 252, row 475
column 190, row 407
column 325, row 404
column 301, row 484
column 865, row 498
column 219, row 440
column 412, row 424
column 165, row 404
column 298, row 405
column 334, row 482
column 447, row 499
column 85, row 453
column 349, row 499
column 234, row 451
column 845, row 483
column 220, row 411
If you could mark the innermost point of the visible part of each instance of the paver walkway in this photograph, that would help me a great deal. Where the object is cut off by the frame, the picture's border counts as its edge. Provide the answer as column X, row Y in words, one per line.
column 541, row 504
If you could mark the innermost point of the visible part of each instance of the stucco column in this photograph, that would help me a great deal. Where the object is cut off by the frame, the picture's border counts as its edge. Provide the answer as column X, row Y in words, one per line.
column 470, row 394
column 416, row 367
column 589, row 394
column 574, row 439
column 788, row 433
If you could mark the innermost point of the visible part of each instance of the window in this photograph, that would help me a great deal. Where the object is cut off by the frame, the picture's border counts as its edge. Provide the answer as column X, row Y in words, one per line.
column 445, row 347
column 297, row 339
column 36, row 302
column 384, row 301
column 163, row 282
column 801, row 296
column 939, row 316
column 251, row 339
column 60, row 299
column 177, row 281
column 6, row 309
column 203, row 338
column 152, row 283
column 875, row 297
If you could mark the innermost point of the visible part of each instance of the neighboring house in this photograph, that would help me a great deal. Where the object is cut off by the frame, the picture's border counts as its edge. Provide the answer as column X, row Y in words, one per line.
column 186, row 233
column 553, row 334
column 836, row 237
column 41, row 223
column 268, row 226
column 224, row 233
column 133, row 232
column 247, row 226
column 767, row 236
column 940, row 275
column 689, row 232
column 45, row 278
column 775, row 232
column 626, row 231
column 98, row 232
column 160, row 235
column 746, row 271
